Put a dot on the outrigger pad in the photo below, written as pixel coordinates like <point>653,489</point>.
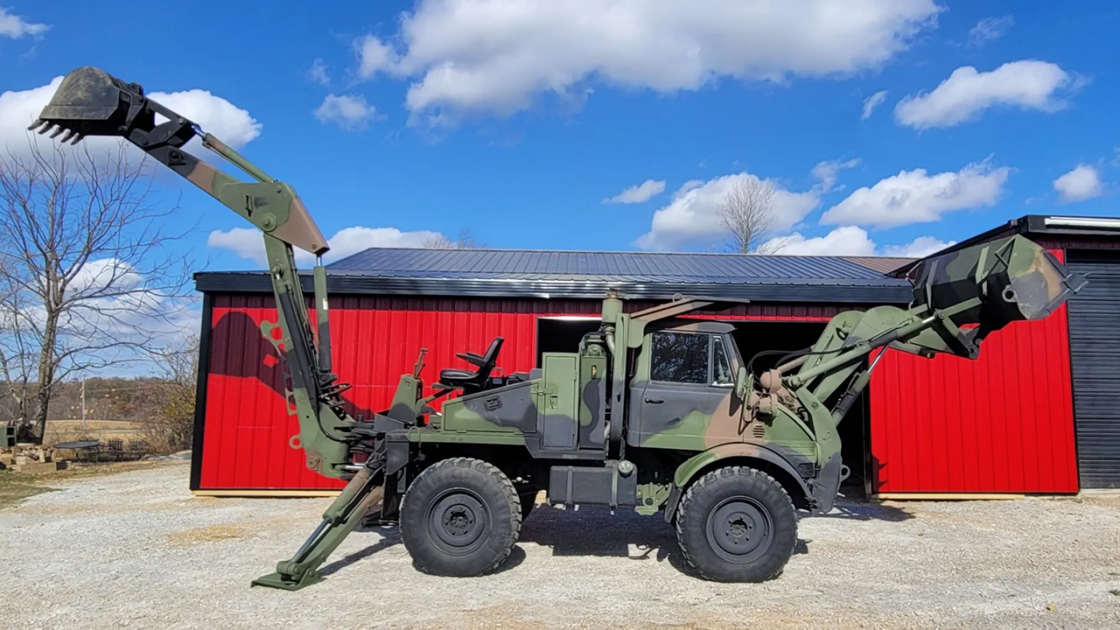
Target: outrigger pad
<point>277,580</point>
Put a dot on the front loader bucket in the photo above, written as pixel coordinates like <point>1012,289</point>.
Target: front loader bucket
<point>88,102</point>
<point>1014,278</point>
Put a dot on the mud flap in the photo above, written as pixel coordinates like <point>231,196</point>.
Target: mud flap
<point>827,484</point>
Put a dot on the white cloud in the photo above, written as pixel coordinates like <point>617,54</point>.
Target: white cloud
<point>1083,182</point>
<point>967,93</point>
<point>18,108</point>
<point>248,244</point>
<point>692,217</point>
<point>374,56</point>
<point>871,102</point>
<point>495,56</point>
<point>349,112</point>
<point>918,248</point>
<point>105,273</point>
<point>918,197</point>
<point>989,29</point>
<point>13,26</point>
<point>638,193</point>
<point>850,240</point>
<point>214,114</point>
<point>318,73</point>
<point>827,172</point>
<point>843,241</point>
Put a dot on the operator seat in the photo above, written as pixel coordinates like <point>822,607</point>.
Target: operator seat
<point>479,379</point>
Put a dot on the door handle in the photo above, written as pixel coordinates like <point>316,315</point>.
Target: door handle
<point>650,401</point>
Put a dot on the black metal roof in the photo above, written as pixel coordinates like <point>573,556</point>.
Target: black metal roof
<point>581,274</point>
<point>1076,227</point>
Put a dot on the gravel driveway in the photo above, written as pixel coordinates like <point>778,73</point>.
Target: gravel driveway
<point>136,550</point>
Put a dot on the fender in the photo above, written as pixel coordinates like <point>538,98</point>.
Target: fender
<point>686,471</point>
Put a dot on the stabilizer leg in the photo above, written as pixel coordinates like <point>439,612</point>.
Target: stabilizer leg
<point>363,492</point>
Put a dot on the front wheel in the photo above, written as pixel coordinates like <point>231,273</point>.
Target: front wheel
<point>460,518</point>
<point>737,524</point>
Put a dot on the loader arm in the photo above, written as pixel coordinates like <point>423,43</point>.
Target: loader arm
<point>959,299</point>
<point>90,102</point>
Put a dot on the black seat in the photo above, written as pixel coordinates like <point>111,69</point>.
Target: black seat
<point>479,379</point>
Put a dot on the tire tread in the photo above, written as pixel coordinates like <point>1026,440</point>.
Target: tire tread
<point>507,490</point>
<point>684,514</point>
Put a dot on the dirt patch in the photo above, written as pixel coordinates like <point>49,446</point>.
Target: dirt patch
<point>209,533</point>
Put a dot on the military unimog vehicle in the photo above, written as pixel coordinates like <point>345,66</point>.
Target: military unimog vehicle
<point>655,411</point>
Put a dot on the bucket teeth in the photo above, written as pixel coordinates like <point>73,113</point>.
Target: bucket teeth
<point>43,126</point>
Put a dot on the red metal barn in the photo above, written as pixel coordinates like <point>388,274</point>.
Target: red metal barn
<point>1005,423</point>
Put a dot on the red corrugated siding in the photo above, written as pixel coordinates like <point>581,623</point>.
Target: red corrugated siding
<point>246,430</point>
<point>1002,423</point>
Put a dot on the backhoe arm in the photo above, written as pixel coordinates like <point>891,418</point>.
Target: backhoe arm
<point>90,102</point>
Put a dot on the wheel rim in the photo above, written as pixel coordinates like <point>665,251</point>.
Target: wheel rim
<point>457,520</point>
<point>740,530</point>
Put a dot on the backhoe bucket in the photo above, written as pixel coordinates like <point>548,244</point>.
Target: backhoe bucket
<point>88,102</point>
<point>1014,278</point>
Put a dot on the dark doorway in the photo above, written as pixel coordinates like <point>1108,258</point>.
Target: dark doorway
<point>755,337</point>
<point>563,334</point>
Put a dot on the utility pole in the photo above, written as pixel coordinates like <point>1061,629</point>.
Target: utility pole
<point>85,429</point>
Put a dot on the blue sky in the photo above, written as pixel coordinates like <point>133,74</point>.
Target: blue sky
<point>517,120</point>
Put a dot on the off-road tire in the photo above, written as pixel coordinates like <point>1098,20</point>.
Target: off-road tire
<point>461,517</point>
<point>736,524</point>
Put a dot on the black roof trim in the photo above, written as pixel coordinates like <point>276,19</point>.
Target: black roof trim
<point>1042,224</point>
<point>889,291</point>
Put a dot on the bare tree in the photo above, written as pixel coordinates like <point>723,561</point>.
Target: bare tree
<point>746,212</point>
<point>85,280</point>
<point>172,427</point>
<point>465,241</point>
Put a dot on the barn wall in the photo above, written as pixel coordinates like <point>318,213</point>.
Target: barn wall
<point>245,429</point>
<point>1002,423</point>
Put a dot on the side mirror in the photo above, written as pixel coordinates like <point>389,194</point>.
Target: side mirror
<point>742,383</point>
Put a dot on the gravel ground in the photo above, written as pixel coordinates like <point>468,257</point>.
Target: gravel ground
<point>135,550</point>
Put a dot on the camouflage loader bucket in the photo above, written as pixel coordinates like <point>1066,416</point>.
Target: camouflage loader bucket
<point>1014,278</point>
<point>88,102</point>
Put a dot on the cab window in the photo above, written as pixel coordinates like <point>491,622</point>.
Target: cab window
<point>721,367</point>
<point>679,357</point>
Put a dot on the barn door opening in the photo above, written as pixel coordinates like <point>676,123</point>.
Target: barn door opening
<point>755,337</point>
<point>563,334</point>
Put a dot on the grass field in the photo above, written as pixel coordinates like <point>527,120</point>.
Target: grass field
<point>67,430</point>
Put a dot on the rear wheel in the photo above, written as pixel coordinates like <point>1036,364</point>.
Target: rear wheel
<point>737,524</point>
<point>460,517</point>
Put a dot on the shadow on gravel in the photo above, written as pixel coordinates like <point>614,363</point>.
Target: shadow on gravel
<point>865,511</point>
<point>390,536</point>
<point>593,531</point>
